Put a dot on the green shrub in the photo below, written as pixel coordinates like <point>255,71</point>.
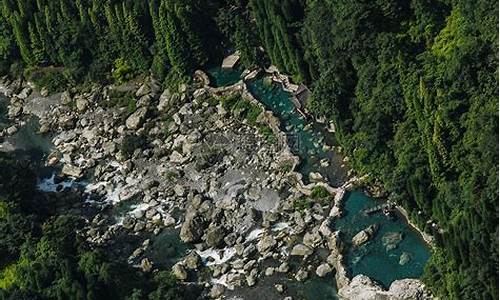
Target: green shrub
<point>122,71</point>
<point>241,107</point>
<point>268,134</point>
<point>120,99</point>
<point>301,204</point>
<point>174,79</point>
<point>319,192</point>
<point>8,276</point>
<point>171,175</point>
<point>51,78</point>
<point>229,102</point>
<point>321,195</point>
<point>286,167</point>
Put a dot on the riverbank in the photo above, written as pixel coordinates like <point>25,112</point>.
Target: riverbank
<point>338,210</point>
<point>285,81</point>
<point>201,169</point>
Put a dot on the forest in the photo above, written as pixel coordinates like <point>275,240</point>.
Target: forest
<point>411,87</point>
<point>44,257</point>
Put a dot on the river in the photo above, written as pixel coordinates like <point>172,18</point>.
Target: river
<point>396,251</point>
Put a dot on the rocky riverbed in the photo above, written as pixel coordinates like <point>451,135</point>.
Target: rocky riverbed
<point>178,161</point>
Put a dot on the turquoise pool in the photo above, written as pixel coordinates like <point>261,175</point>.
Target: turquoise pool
<point>305,137</point>
<point>381,257</point>
<point>223,77</point>
<point>395,252</point>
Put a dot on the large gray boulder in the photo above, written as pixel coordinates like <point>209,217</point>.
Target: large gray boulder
<point>391,240</point>
<point>164,101</point>
<point>137,118</point>
<point>323,270</point>
<point>266,243</point>
<point>362,287</point>
<point>217,291</point>
<point>192,229</point>
<point>81,103</point>
<point>72,171</point>
<point>301,250</point>
<point>179,271</point>
<point>214,236</point>
<point>364,235</point>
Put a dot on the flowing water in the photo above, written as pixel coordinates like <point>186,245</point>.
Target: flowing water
<point>396,251</point>
<point>307,139</point>
<point>166,248</point>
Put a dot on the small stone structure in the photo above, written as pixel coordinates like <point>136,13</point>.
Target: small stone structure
<point>230,61</point>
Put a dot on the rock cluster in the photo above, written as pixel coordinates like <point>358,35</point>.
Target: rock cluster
<point>187,164</point>
<point>363,288</point>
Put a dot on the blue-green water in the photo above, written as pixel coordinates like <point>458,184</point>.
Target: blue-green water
<point>167,248</point>
<point>315,288</point>
<point>370,259</point>
<point>28,138</point>
<point>223,77</point>
<point>375,258</point>
<point>379,258</point>
<point>305,137</point>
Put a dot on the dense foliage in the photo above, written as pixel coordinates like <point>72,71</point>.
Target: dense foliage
<point>411,87</point>
<point>42,256</point>
<point>412,90</point>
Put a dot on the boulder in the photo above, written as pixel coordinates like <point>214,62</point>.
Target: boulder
<point>283,267</point>
<point>146,265</point>
<point>81,104</point>
<point>312,239</point>
<point>391,240</point>
<point>139,226</point>
<point>404,258</point>
<point>137,118</point>
<point>316,177</point>
<point>266,243</point>
<point>128,222</point>
<point>24,93</point>
<point>179,190</point>
<point>323,270</point>
<point>364,235</point>
<point>65,97</point>
<point>269,271</point>
<point>217,291</point>
<point>14,111</point>
<point>11,130</point>
<point>179,271</point>
<point>362,287</point>
<point>144,89</point>
<point>406,289</point>
<point>301,250</point>
<point>192,229</point>
<point>168,220</point>
<point>301,275</point>
<point>192,261</point>
<point>164,101</point>
<point>214,236</point>
<point>44,92</point>
<point>72,171</point>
